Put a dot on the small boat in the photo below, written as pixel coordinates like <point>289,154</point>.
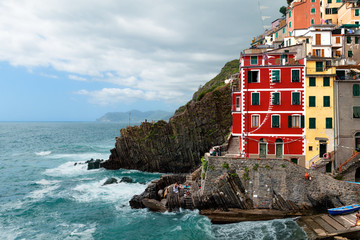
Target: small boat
<point>344,210</point>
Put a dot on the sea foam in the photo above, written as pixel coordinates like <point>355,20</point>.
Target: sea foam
<point>67,169</point>
<point>44,153</point>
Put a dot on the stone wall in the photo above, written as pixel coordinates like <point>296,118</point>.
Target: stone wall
<point>265,181</point>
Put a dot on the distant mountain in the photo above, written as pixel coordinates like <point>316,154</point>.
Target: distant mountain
<point>135,116</point>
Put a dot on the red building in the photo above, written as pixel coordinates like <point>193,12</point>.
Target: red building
<point>268,107</point>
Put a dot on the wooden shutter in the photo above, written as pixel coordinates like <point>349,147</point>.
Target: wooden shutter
<point>318,39</point>
<point>337,39</point>
<point>312,123</point>
<point>328,122</point>
<point>322,52</point>
<point>314,52</point>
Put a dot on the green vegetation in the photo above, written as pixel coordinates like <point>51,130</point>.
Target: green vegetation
<point>211,167</point>
<point>282,10</point>
<point>283,165</point>
<point>247,169</point>
<point>256,166</point>
<point>339,176</point>
<point>225,165</point>
<point>267,167</point>
<point>246,176</point>
<point>233,175</point>
<point>204,165</point>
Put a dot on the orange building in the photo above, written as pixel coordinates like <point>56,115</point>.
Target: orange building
<point>301,14</point>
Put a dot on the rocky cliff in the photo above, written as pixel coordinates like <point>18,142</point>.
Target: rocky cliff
<point>177,146</point>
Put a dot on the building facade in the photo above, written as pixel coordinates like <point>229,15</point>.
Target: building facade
<point>269,109</point>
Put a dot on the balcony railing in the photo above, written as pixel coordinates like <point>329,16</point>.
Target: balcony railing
<point>347,77</point>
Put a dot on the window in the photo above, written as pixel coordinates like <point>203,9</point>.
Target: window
<point>312,21</point>
<point>296,121</point>
<point>253,76</point>
<point>328,123</point>
<point>312,81</point>
<point>284,58</point>
<point>283,30</point>
<point>326,101</point>
<point>356,112</point>
<point>329,1</point>
<point>312,123</point>
<point>356,40</point>
<point>253,60</point>
<point>338,1</point>
<point>255,98</point>
<point>356,12</point>
<point>275,121</point>
<point>289,24</point>
<point>356,90</point>
<point>255,121</point>
<point>295,98</point>
<point>334,10</point>
<point>307,40</point>
<point>295,75</point>
<point>275,98</point>
<point>312,101</point>
<point>237,103</point>
<point>312,10</point>
<point>275,76</point>
<point>326,81</point>
<point>289,14</point>
<point>348,39</point>
<point>350,53</point>
<point>338,40</point>
<point>310,148</point>
<point>277,35</point>
<point>319,66</point>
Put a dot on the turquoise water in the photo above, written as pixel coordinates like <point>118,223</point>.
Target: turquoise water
<point>44,196</point>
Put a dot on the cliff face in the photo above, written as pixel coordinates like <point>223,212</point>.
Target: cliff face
<point>177,146</point>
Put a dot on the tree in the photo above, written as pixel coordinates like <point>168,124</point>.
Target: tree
<point>283,10</point>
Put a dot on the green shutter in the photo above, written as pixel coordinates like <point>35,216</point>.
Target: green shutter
<point>348,39</point>
<point>312,123</point>
<point>356,40</point>
<point>356,12</point>
<point>326,101</point>
<point>303,121</point>
<point>312,101</point>
<point>329,1</point>
<point>249,77</point>
<point>295,98</point>
<point>356,112</point>
<point>276,98</point>
<point>290,121</point>
<point>295,75</point>
<point>255,99</point>
<point>328,122</point>
<point>312,81</point>
<point>356,90</point>
<point>326,81</point>
<point>275,119</point>
<point>350,53</point>
<point>254,60</point>
<point>319,66</point>
<point>275,75</point>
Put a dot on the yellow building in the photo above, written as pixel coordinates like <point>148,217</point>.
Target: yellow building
<point>319,102</point>
<point>329,11</point>
<point>349,13</point>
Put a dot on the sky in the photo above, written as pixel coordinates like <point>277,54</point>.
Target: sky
<point>75,60</point>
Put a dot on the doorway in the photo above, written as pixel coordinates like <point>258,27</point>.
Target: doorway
<point>357,175</point>
<point>279,148</point>
<point>262,148</point>
<point>322,148</point>
<point>357,141</point>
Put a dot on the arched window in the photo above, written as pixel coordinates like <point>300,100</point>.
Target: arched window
<point>279,148</point>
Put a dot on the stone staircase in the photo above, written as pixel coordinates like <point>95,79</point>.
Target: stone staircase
<point>234,146</point>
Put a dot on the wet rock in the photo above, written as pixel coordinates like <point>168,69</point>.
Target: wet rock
<point>110,181</point>
<point>126,179</point>
<point>154,205</point>
<point>94,164</point>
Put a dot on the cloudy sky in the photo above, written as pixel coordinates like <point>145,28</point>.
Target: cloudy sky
<point>75,60</point>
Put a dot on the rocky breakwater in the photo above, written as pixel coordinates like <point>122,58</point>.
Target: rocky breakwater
<point>234,190</point>
<point>175,146</point>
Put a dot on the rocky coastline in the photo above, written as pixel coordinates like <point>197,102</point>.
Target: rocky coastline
<point>235,189</point>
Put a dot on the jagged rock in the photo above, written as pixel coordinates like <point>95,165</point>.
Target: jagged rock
<point>154,205</point>
<point>110,181</point>
<point>94,164</point>
<point>126,179</point>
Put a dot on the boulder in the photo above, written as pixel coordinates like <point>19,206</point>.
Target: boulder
<point>154,205</point>
<point>126,179</point>
<point>94,164</point>
<point>110,181</point>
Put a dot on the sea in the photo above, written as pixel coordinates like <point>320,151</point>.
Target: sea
<point>46,191</point>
